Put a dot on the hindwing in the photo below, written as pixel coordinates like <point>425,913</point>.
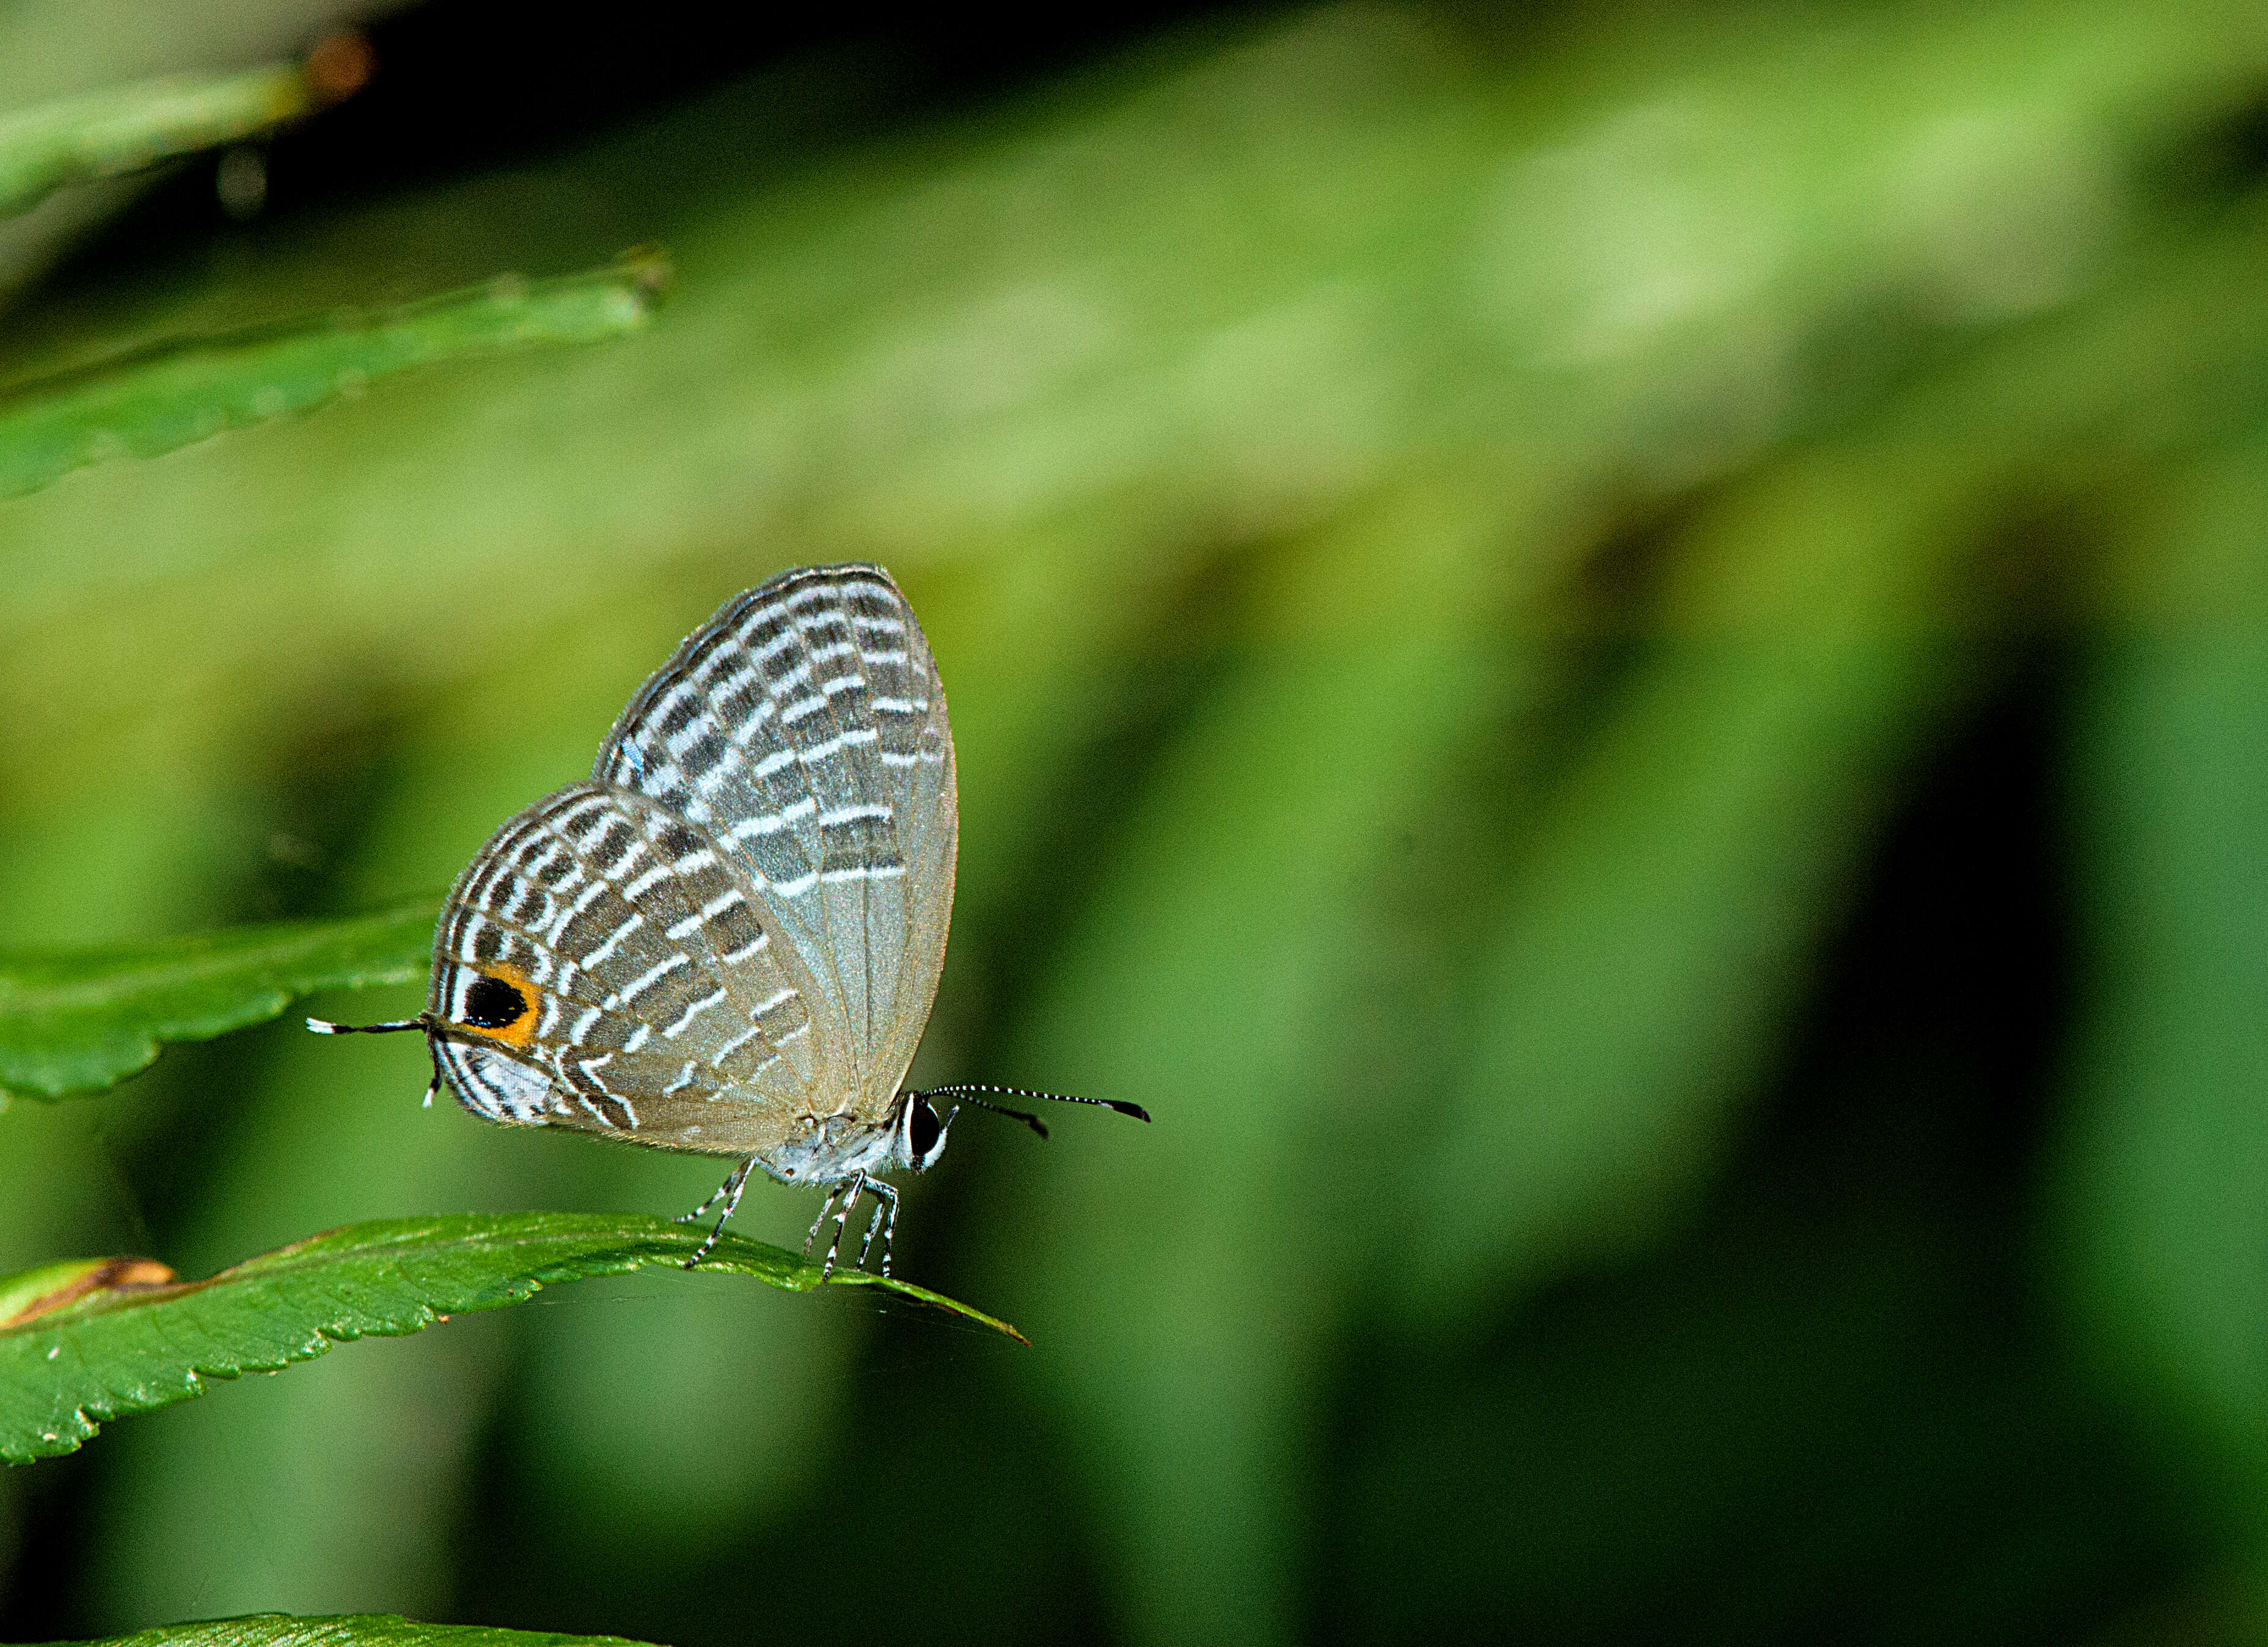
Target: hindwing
<point>603,965</point>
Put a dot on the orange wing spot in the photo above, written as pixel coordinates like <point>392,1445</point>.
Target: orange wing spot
<point>499,1022</point>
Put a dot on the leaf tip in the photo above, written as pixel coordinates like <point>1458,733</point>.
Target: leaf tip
<point>651,273</point>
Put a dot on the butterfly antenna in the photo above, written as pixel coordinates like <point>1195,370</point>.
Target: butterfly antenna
<point>967,1094</point>
<point>324,1026</point>
<point>423,1020</point>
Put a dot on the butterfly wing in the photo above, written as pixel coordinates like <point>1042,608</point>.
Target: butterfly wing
<point>602,965</point>
<point>804,728</point>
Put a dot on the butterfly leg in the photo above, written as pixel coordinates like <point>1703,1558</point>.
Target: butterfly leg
<point>730,1190</point>
<point>825,1207</point>
<point>715,1196</point>
<point>857,1186</point>
<point>886,1201</point>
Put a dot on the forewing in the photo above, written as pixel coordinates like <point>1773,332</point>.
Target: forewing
<point>803,727</point>
<point>659,1004</point>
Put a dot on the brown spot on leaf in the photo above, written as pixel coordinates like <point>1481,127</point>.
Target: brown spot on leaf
<point>105,1275</point>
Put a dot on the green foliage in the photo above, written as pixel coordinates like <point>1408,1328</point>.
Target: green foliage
<point>190,391</point>
<point>76,1022</point>
<point>43,148</point>
<point>358,1630</point>
<point>101,1339</point>
<point>2159,1192</point>
<point>1475,561</point>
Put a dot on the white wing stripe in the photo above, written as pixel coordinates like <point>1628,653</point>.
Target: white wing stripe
<point>854,738</point>
<point>591,895</point>
<point>733,1046</point>
<point>613,941</point>
<point>694,1009</point>
<point>646,980</point>
<point>771,823</point>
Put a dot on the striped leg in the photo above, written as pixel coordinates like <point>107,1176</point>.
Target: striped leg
<point>886,1201</point>
<point>825,1207</point>
<point>730,1190</point>
<point>715,1196</point>
<point>856,1187</point>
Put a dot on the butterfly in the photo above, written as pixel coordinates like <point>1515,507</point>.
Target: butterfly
<point>727,941</point>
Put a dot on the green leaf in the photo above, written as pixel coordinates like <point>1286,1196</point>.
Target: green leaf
<point>344,1629</point>
<point>76,1023</point>
<point>1225,968</point>
<point>132,1346</point>
<point>2165,1138</point>
<point>180,393</point>
<point>125,128</point>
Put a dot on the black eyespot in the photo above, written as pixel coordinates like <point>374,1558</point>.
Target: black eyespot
<point>491,1003</point>
<point>921,1129</point>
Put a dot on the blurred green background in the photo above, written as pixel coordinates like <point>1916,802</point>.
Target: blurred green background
<point>1615,655</point>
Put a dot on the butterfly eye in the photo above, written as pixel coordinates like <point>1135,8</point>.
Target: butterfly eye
<point>492,1004</point>
<point>923,1131</point>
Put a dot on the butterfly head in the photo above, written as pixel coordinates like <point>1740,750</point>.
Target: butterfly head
<point>920,1133</point>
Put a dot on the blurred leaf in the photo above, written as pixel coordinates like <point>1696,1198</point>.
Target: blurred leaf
<point>77,1022</point>
<point>1175,316</point>
<point>107,133</point>
<point>1825,620</point>
<point>177,393</point>
<point>355,1629</point>
<point>133,1346</point>
<point>1646,960</point>
<point>2167,1144</point>
<point>919,352</point>
<point>1214,976</point>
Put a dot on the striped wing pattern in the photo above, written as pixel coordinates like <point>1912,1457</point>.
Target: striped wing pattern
<point>737,925</point>
<point>654,987</point>
<point>804,728</point>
